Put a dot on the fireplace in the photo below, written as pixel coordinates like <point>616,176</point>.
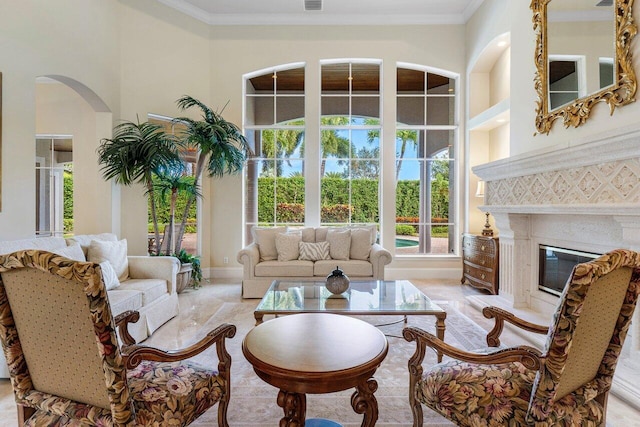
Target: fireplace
<point>555,266</point>
<point>584,196</point>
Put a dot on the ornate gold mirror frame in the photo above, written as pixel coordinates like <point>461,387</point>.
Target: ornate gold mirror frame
<point>622,91</point>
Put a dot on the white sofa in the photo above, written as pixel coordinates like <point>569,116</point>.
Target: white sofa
<point>264,261</point>
<point>150,287</point>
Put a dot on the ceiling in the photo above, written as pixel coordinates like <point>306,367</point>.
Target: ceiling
<point>336,12</point>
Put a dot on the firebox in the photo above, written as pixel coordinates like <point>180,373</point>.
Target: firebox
<point>555,266</point>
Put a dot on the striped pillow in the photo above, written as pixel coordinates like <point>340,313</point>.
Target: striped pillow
<point>314,251</point>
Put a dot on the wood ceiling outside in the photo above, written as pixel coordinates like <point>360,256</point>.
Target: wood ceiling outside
<point>366,78</point>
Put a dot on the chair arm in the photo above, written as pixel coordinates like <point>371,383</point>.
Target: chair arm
<point>135,354</point>
<point>122,321</point>
<point>493,337</point>
<point>530,357</point>
<point>249,256</point>
<point>379,257</point>
<point>155,267</point>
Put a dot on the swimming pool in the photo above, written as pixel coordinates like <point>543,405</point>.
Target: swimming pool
<point>405,243</point>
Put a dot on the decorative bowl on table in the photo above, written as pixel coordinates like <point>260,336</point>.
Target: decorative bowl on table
<point>337,282</point>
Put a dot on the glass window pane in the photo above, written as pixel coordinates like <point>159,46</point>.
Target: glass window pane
<point>408,170</point>
<point>366,78</point>
<point>410,81</point>
<point>365,144</point>
<point>335,143</point>
<point>261,84</point>
<point>411,110</point>
<point>365,169</point>
<point>335,169</point>
<point>290,144</point>
<point>267,144</point>
<point>406,144</point>
<point>290,81</point>
<point>441,110</point>
<point>368,106</point>
<point>335,106</point>
<point>438,141</point>
<point>364,192</point>
<point>335,78</point>
<point>262,113</point>
<point>440,85</point>
<point>289,108</point>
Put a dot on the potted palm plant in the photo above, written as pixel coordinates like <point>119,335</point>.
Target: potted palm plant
<point>135,154</point>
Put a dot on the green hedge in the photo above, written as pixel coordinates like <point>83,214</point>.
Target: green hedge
<point>334,200</point>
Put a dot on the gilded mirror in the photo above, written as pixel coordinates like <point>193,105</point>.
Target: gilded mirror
<point>583,56</point>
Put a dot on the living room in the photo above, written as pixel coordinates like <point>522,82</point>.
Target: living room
<point>80,68</point>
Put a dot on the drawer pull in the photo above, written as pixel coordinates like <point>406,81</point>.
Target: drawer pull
<point>482,276</point>
<point>483,262</point>
<point>483,247</point>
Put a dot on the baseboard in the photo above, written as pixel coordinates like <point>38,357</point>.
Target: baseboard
<point>421,273</point>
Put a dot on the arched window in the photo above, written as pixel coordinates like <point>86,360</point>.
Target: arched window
<point>274,126</point>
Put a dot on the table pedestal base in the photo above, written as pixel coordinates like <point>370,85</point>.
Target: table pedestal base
<point>294,406</point>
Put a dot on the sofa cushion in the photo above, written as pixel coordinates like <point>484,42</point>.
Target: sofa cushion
<point>284,269</point>
<point>114,252</point>
<point>339,243</point>
<point>84,240</point>
<point>42,243</point>
<point>308,234</point>
<point>109,276</point>
<point>122,300</point>
<point>151,289</point>
<point>73,252</point>
<point>353,268</point>
<point>360,244</point>
<point>265,238</point>
<point>314,251</point>
<point>287,245</point>
<point>321,232</point>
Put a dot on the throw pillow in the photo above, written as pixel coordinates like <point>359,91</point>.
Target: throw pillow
<point>287,246</point>
<point>109,276</point>
<point>73,252</point>
<point>265,238</point>
<point>339,243</point>
<point>360,244</point>
<point>114,252</point>
<point>314,251</point>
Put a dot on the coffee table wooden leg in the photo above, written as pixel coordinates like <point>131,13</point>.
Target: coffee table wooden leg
<point>364,402</point>
<point>440,330</point>
<point>259,317</point>
<point>295,408</point>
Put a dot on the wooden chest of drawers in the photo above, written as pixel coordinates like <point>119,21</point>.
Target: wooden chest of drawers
<point>480,261</point>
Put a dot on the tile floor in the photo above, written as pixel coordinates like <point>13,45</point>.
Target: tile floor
<point>197,306</point>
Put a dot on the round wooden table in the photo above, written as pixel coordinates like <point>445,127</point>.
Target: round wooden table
<point>317,353</point>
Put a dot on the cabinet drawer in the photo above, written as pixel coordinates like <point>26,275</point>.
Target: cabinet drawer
<point>480,262</point>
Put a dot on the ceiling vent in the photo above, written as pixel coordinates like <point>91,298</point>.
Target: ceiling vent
<point>605,3</point>
<point>312,4</point>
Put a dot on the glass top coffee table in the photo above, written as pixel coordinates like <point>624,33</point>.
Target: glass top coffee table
<point>364,298</point>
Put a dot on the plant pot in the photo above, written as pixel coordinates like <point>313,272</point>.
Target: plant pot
<point>184,277</point>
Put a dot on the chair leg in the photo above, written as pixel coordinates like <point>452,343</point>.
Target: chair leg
<point>603,399</point>
<point>24,413</point>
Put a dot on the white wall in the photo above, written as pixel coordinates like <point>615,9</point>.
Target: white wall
<point>77,39</point>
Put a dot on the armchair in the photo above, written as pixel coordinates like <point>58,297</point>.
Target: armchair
<point>65,363</point>
<point>565,384</point>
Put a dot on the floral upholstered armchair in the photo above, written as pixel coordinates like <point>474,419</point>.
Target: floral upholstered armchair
<point>566,384</point>
<point>65,362</point>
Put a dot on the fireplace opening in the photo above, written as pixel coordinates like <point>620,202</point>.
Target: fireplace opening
<point>555,267</point>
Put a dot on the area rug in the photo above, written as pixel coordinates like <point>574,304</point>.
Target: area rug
<point>253,402</point>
